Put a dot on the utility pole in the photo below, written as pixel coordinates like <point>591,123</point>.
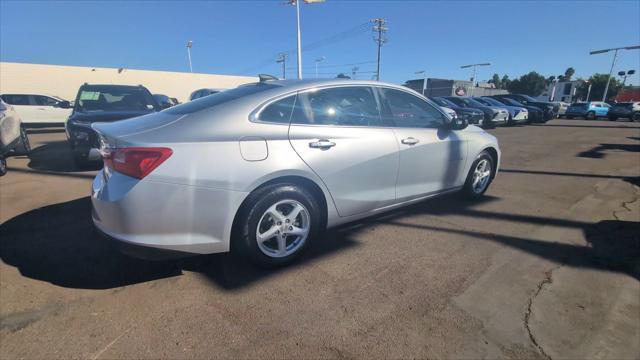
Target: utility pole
<point>380,29</point>
<point>189,46</point>
<point>615,55</point>
<point>282,59</point>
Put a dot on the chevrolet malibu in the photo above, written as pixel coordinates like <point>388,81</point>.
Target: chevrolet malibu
<point>264,168</point>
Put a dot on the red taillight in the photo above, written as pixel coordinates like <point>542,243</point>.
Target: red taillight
<point>136,162</point>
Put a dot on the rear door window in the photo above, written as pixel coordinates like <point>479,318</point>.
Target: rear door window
<point>44,100</point>
<point>342,106</point>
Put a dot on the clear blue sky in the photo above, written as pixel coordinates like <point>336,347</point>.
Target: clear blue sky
<point>237,37</point>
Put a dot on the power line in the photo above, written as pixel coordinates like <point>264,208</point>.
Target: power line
<point>341,36</point>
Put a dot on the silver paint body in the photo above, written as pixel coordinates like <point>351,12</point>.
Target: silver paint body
<point>221,154</point>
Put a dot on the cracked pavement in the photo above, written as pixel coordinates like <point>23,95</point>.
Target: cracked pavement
<point>545,267</point>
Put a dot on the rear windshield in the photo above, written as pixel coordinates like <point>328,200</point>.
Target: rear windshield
<point>114,98</point>
<point>219,98</point>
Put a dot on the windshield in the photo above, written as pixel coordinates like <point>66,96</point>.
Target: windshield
<point>482,101</point>
<point>492,102</point>
<point>219,98</point>
<point>443,102</point>
<point>472,102</point>
<point>528,98</point>
<point>114,98</point>
<point>510,102</point>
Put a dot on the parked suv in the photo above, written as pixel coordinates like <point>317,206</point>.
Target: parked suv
<point>492,115</point>
<point>549,110</point>
<point>39,110</point>
<point>629,110</point>
<point>473,116</point>
<point>590,110</point>
<point>103,103</point>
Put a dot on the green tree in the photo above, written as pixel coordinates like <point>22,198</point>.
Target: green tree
<point>505,81</point>
<point>532,84</point>
<point>550,79</point>
<point>568,74</point>
<point>495,80</point>
<point>598,83</point>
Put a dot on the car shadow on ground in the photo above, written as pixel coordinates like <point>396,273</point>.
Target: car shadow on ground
<point>56,156</point>
<point>59,244</point>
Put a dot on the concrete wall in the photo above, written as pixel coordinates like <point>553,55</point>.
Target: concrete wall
<point>64,81</point>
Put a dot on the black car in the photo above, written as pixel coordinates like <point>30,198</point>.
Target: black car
<point>103,103</point>
<point>629,110</point>
<point>490,114</point>
<point>473,116</point>
<point>549,110</point>
<point>535,114</point>
<point>164,101</point>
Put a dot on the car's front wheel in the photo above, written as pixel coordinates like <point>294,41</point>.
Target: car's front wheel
<point>591,115</point>
<point>635,116</point>
<point>277,223</point>
<point>480,176</point>
<point>24,147</point>
<point>3,166</point>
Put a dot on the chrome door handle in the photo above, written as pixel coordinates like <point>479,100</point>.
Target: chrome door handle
<point>410,141</point>
<point>322,144</point>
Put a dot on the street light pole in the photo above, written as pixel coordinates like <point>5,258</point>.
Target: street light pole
<point>297,4</point>
<point>320,59</point>
<point>473,79</point>
<point>189,45</point>
<point>615,55</point>
<point>424,79</point>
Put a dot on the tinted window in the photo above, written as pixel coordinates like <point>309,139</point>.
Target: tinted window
<point>346,106</point>
<point>13,99</point>
<point>114,98</point>
<point>44,100</point>
<point>279,111</point>
<point>219,98</point>
<point>406,110</point>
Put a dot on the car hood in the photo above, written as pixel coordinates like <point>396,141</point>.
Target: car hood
<point>105,116</point>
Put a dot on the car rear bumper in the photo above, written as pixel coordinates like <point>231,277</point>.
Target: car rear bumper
<point>163,216</point>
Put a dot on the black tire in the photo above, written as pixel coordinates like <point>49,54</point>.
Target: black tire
<point>469,190</point>
<point>635,116</point>
<point>612,118</point>
<point>591,115</point>
<point>251,213</point>
<point>24,147</point>
<point>3,166</point>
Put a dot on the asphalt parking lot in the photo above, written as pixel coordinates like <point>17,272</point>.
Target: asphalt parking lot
<point>546,266</point>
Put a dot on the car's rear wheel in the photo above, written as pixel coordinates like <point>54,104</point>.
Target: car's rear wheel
<point>24,147</point>
<point>591,115</point>
<point>277,223</point>
<point>480,176</point>
<point>635,116</point>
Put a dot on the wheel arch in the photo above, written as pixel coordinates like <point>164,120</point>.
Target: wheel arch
<point>308,184</point>
<point>494,156</point>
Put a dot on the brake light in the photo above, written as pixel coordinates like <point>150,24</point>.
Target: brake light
<point>136,162</point>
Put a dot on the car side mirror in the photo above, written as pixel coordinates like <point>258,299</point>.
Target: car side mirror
<point>63,104</point>
<point>458,123</point>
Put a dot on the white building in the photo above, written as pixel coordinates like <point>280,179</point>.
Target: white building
<point>64,81</point>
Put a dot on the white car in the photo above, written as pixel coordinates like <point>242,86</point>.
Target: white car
<point>13,138</point>
<point>562,107</point>
<point>39,110</point>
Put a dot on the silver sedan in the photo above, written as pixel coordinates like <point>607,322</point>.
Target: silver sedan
<point>263,168</point>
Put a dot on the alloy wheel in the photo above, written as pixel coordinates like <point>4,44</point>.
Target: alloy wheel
<point>283,228</point>
<point>481,176</point>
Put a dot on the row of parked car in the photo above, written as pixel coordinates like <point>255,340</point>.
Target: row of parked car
<point>594,109</point>
<point>498,110</point>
